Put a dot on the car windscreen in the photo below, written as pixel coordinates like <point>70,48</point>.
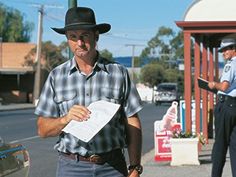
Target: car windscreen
<point>168,88</point>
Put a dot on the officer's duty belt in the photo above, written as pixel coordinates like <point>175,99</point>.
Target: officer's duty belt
<point>223,98</point>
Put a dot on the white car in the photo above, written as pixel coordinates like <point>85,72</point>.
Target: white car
<point>166,93</point>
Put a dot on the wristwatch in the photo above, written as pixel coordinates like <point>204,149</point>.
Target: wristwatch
<point>138,168</point>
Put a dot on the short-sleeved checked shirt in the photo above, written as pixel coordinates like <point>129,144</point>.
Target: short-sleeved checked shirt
<point>229,74</point>
<point>67,86</point>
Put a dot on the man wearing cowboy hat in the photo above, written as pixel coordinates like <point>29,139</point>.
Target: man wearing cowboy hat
<point>72,86</point>
<point>225,112</point>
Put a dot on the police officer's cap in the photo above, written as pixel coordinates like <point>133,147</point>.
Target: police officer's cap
<point>227,42</point>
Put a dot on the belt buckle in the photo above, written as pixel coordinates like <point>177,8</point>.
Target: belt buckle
<point>221,98</point>
<point>96,159</point>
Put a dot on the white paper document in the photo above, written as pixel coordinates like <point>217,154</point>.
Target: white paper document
<point>101,113</point>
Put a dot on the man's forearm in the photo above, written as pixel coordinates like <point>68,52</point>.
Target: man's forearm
<point>134,140</point>
<point>50,127</point>
<point>222,86</point>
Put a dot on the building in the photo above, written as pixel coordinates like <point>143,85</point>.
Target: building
<point>16,79</point>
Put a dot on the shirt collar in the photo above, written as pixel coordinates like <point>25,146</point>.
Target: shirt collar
<point>233,58</point>
<point>73,65</point>
<point>100,63</point>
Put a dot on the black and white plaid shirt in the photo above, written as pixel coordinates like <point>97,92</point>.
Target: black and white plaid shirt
<point>67,86</point>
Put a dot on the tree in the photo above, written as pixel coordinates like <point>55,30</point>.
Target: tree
<point>174,75</point>
<point>177,45</point>
<point>164,49</point>
<point>159,45</point>
<point>152,74</point>
<point>106,54</point>
<point>65,50</point>
<point>137,62</point>
<point>51,55</point>
<point>155,73</point>
<point>12,25</point>
<point>165,46</point>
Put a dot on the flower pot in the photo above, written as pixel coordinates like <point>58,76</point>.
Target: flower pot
<point>184,151</point>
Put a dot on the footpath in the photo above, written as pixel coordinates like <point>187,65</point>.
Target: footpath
<point>16,106</point>
<point>153,168</point>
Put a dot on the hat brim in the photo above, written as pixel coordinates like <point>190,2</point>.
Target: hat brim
<point>102,28</point>
<point>222,48</point>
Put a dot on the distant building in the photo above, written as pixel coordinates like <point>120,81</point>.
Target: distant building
<point>13,55</point>
<point>16,79</point>
<point>126,61</point>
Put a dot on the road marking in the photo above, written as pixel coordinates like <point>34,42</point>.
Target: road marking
<point>24,139</point>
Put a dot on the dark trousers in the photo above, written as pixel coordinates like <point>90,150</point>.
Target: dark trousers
<point>225,136</point>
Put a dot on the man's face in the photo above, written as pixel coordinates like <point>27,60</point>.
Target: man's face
<point>82,42</point>
<point>228,53</point>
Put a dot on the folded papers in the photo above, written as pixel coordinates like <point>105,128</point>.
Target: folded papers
<point>101,113</point>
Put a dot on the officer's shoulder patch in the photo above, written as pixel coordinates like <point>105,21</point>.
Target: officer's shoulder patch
<point>227,68</point>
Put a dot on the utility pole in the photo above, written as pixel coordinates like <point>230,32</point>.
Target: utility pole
<point>132,61</point>
<point>72,3</point>
<point>38,56</point>
<point>169,55</point>
<point>1,52</point>
<point>37,78</point>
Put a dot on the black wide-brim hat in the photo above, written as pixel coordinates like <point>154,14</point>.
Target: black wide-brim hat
<point>82,18</point>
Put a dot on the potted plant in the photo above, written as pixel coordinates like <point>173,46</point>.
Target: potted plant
<point>184,148</point>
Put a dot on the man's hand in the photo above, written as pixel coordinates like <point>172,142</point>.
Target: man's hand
<point>133,173</point>
<point>222,86</point>
<point>78,113</point>
<point>212,85</point>
<point>49,127</point>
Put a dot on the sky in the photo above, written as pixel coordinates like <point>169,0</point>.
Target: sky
<point>133,22</point>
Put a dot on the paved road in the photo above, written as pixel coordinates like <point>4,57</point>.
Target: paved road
<point>19,126</point>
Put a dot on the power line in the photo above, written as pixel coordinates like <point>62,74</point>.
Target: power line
<point>33,3</point>
<point>56,18</point>
<point>123,37</point>
<point>20,2</point>
<point>38,5</point>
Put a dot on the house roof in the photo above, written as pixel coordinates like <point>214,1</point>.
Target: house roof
<point>14,71</point>
<point>212,19</point>
<point>211,10</point>
<point>13,54</point>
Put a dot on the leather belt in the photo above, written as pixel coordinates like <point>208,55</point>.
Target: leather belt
<point>223,98</point>
<point>95,158</point>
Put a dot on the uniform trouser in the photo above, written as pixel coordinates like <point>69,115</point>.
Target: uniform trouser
<point>67,167</point>
<point>225,136</point>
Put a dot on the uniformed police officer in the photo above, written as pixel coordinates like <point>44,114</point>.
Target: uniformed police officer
<point>225,111</point>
